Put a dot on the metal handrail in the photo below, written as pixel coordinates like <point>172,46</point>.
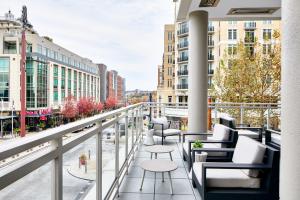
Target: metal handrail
<point>57,148</point>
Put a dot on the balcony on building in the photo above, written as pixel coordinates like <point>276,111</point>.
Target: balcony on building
<point>182,59</point>
<point>182,72</point>
<point>211,29</point>
<point>250,25</point>
<point>182,86</point>
<point>211,43</point>
<point>183,31</point>
<point>211,57</point>
<point>183,45</point>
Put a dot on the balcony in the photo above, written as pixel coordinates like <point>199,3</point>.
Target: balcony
<point>117,163</point>
<point>250,25</point>
<point>182,72</point>
<point>210,71</point>
<point>183,45</point>
<point>183,31</point>
<point>211,43</point>
<point>211,57</point>
<point>211,29</point>
<point>182,86</point>
<point>183,59</point>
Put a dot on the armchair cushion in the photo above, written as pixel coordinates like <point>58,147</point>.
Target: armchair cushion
<point>249,151</point>
<point>225,178</point>
<point>220,132</point>
<point>167,132</point>
<point>158,121</point>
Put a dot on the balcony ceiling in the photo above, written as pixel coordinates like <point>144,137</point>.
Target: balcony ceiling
<point>223,9</point>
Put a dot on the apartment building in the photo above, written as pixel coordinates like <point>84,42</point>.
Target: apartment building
<point>115,86</point>
<point>223,37</point>
<point>103,81</point>
<point>166,72</point>
<point>52,72</point>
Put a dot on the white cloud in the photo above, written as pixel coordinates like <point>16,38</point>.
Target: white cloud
<point>127,35</point>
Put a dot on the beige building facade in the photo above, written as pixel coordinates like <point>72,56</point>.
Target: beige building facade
<point>166,71</point>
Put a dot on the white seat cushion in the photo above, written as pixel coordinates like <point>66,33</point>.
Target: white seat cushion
<point>158,121</point>
<point>228,178</point>
<point>167,132</point>
<point>205,145</point>
<point>248,133</point>
<point>249,151</point>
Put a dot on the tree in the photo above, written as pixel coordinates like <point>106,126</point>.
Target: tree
<point>98,107</point>
<point>69,109</point>
<point>110,103</point>
<point>85,106</point>
<point>251,75</point>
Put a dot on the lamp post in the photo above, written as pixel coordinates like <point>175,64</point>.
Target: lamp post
<point>22,69</point>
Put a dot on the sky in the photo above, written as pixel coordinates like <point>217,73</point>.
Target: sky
<point>126,35</point>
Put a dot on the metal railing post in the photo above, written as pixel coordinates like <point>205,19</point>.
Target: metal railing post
<point>117,137</point>
<point>268,116</point>
<point>216,114</point>
<point>126,141</point>
<point>242,113</point>
<point>132,134</point>
<point>141,124</point>
<point>57,171</point>
<point>99,162</point>
<point>137,125</point>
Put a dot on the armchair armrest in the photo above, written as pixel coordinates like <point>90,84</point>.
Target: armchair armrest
<point>215,165</point>
<point>249,128</point>
<point>199,150</point>
<point>201,134</point>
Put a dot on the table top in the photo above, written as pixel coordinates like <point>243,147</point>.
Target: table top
<point>159,165</point>
<point>159,149</point>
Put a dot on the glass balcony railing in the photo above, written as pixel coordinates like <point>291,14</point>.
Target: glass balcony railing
<point>9,51</point>
<point>211,71</point>
<point>182,31</point>
<point>183,45</point>
<point>250,25</point>
<point>211,57</point>
<point>182,86</point>
<point>182,73</point>
<point>182,59</point>
<point>211,29</point>
<point>211,43</point>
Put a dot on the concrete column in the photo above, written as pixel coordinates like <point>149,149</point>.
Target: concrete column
<point>198,86</point>
<point>290,149</point>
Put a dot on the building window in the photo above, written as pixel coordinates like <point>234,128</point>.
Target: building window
<point>232,49</point>
<point>63,83</point>
<point>75,84</point>
<point>84,85</point>
<point>4,79</point>
<point>170,48</point>
<point>267,48</point>
<point>88,85</point>
<point>10,47</point>
<point>28,48</point>
<point>232,34</point>
<point>250,49</point>
<point>69,82</point>
<point>170,36</point>
<point>267,22</point>
<point>55,83</point>
<point>79,86</point>
<point>169,99</point>
<point>249,36</point>
<point>42,84</point>
<point>170,59</point>
<point>267,34</point>
<point>232,22</point>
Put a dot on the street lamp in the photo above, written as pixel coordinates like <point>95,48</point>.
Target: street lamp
<point>25,25</point>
